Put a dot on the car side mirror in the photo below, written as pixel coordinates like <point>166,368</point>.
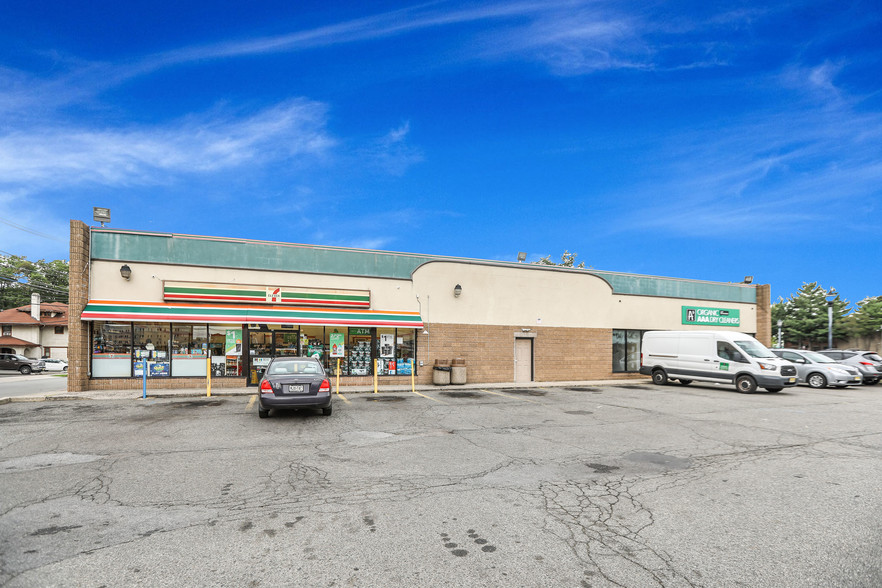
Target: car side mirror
<point>800,360</point>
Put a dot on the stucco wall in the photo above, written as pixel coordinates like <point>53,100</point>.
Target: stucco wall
<point>535,297</point>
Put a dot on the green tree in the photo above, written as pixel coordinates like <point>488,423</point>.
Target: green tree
<point>805,318</point>
<point>19,277</point>
<point>866,320</point>
<point>566,260</point>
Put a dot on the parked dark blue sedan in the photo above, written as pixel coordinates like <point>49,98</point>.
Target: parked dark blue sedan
<point>292,383</point>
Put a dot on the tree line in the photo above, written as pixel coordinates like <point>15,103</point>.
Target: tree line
<point>19,277</point>
<point>805,319</point>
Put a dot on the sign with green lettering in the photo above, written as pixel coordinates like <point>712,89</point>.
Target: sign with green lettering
<point>717,317</point>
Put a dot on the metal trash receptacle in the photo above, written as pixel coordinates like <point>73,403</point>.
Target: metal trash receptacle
<point>441,372</point>
<point>458,371</point>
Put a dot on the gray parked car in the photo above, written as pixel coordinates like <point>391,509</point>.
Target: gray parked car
<point>819,371</point>
<point>25,365</point>
<point>294,382</point>
<point>868,362</point>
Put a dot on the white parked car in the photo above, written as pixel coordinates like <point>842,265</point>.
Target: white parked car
<point>54,365</point>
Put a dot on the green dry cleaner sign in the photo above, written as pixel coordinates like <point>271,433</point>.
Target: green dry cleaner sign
<point>720,317</point>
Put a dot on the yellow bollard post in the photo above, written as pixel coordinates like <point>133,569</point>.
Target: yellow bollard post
<point>338,376</point>
<point>412,384</point>
<point>208,373</point>
<point>375,376</point>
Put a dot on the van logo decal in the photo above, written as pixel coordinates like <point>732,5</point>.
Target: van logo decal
<point>724,366</point>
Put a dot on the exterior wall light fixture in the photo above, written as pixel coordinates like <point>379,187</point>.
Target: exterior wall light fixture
<point>457,290</point>
<point>125,271</point>
<point>748,279</point>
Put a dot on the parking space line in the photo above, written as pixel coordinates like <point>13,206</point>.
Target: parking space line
<point>510,397</point>
<point>346,400</point>
<point>251,401</point>
<point>429,397</point>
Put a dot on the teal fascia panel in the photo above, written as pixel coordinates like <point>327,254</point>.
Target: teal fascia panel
<point>167,248</point>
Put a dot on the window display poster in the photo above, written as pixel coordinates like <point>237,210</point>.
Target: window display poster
<point>159,369</point>
<point>387,349</point>
<point>234,342</point>
<point>337,348</point>
<point>139,368</point>
<point>404,367</point>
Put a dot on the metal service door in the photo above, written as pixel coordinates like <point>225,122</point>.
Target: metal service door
<point>523,360</point>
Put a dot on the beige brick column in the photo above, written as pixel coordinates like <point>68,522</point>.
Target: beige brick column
<point>78,331</point>
<point>764,314</point>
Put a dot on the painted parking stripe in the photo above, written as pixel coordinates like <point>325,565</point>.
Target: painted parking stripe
<point>510,397</point>
<point>346,400</point>
<point>251,401</point>
<point>429,397</point>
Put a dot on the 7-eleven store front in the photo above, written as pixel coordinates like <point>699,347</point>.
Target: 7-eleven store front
<point>178,339</point>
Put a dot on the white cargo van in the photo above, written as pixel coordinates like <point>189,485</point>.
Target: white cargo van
<point>722,357</point>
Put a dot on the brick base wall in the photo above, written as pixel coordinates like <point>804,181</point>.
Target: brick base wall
<point>559,354</point>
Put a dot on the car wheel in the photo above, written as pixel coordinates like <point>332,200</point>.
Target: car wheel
<point>774,389</point>
<point>659,377</point>
<point>685,382</point>
<point>327,410</point>
<point>745,384</point>
<point>262,412</point>
<point>25,370</point>
<point>816,380</point>
<point>64,369</point>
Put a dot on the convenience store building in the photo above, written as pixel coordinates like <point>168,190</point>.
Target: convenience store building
<point>181,305</point>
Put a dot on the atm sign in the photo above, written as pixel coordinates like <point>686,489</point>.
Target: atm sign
<point>721,317</point>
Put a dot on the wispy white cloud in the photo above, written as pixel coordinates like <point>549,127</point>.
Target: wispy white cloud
<point>391,153</point>
<point>788,172</point>
<point>44,156</point>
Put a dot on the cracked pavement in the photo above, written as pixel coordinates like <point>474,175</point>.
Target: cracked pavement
<point>603,486</point>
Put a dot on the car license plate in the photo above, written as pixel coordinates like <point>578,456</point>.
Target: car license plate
<point>792,380</point>
<point>295,388</point>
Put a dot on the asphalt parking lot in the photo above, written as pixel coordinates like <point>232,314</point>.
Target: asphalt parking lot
<point>612,485</point>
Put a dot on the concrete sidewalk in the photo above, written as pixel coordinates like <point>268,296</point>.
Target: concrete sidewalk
<point>345,390</point>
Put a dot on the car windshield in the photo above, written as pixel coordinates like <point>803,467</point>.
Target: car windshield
<point>817,357</point>
<point>755,349</point>
<point>294,367</point>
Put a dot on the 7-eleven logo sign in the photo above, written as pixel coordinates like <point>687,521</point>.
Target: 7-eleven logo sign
<point>273,294</point>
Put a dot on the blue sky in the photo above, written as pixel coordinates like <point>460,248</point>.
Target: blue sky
<point>687,139</point>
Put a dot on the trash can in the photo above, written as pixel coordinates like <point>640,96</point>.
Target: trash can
<point>441,372</point>
<point>458,371</point>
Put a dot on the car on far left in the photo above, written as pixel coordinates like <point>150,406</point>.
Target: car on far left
<point>55,365</point>
<point>20,363</point>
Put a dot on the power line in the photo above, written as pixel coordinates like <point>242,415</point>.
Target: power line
<point>29,230</point>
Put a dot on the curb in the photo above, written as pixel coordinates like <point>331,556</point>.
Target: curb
<point>95,395</point>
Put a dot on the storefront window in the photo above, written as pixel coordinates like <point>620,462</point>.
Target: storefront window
<point>225,347</point>
<point>111,350</point>
<point>626,350</point>
<point>151,349</point>
<point>358,361</point>
<point>405,351</point>
<point>312,343</point>
<point>385,352</point>
<point>287,342</point>
<point>335,344</point>
<point>260,342</point>
<point>632,350</point>
<point>189,350</point>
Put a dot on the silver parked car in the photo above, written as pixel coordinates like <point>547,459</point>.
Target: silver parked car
<point>819,371</point>
<point>868,362</point>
